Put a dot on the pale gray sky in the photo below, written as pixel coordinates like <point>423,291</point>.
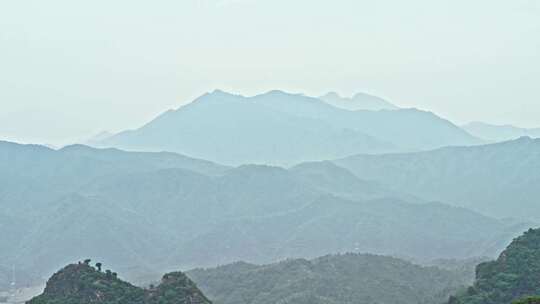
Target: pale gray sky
<point>72,68</point>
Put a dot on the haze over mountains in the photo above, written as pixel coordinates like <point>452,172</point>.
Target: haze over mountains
<point>269,152</point>
<point>285,129</point>
<point>144,211</point>
<point>499,180</point>
<point>353,175</point>
<point>499,133</point>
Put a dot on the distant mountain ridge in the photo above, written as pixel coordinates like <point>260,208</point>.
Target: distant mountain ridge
<point>285,129</point>
<point>360,101</point>
<point>148,212</point>
<point>499,180</point>
<point>499,132</point>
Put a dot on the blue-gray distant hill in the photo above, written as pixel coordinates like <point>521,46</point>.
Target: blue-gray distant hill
<point>499,133</point>
<point>152,212</point>
<point>359,101</point>
<point>281,128</point>
<point>500,180</point>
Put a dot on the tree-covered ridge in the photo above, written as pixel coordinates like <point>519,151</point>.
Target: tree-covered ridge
<point>81,284</point>
<point>333,279</point>
<point>528,300</point>
<point>513,276</point>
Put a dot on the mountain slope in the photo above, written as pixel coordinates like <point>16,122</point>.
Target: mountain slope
<point>33,175</point>
<point>147,213</point>
<point>285,129</point>
<point>499,133</point>
<point>95,226</point>
<point>359,101</point>
<point>234,130</point>
<point>349,278</point>
<point>81,283</point>
<point>332,225</point>
<point>498,180</point>
<point>514,275</point>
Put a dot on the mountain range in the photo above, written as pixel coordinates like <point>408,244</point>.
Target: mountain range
<point>152,212</point>
<point>496,133</point>
<point>298,188</point>
<point>285,129</point>
<point>499,180</point>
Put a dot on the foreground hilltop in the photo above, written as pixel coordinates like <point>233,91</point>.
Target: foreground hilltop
<point>82,283</point>
<point>514,275</point>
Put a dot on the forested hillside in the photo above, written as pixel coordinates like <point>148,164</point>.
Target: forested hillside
<point>81,283</point>
<point>514,275</point>
<point>335,279</point>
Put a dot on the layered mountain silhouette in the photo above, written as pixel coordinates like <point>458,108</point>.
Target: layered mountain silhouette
<point>499,180</point>
<point>344,279</point>
<point>514,275</point>
<point>82,283</point>
<point>360,101</point>
<point>499,132</point>
<point>282,128</point>
<point>152,212</point>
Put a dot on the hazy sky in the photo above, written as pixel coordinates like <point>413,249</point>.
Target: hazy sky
<point>71,68</point>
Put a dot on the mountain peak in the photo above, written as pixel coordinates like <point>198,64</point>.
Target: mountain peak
<point>332,98</point>
<point>279,93</point>
<point>525,138</point>
<point>359,101</point>
<point>82,283</point>
<point>331,94</point>
<point>219,92</point>
<point>284,128</point>
<point>216,96</point>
